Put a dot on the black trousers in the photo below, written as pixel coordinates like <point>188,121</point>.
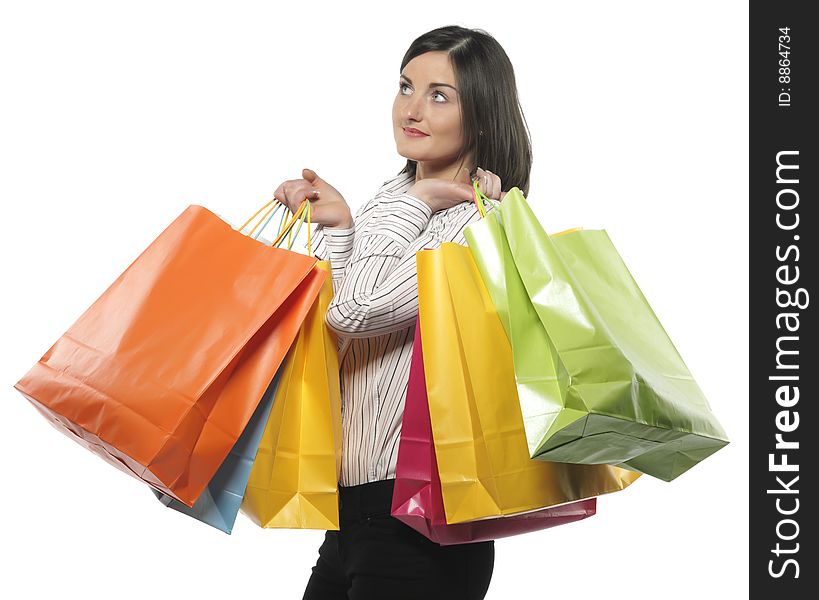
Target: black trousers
<point>374,556</point>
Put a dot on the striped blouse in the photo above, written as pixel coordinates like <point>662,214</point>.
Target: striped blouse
<point>373,312</point>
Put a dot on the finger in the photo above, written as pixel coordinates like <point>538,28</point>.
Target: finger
<point>316,212</point>
<point>463,176</point>
<point>464,192</point>
<point>483,181</point>
<point>307,192</point>
<point>485,185</point>
<point>298,204</point>
<point>285,200</point>
<point>478,177</point>
<point>311,176</point>
<point>287,194</point>
<point>498,185</point>
<point>490,184</point>
<point>494,186</point>
<point>299,190</point>
<point>280,196</point>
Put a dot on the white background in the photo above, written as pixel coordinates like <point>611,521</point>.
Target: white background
<point>116,116</point>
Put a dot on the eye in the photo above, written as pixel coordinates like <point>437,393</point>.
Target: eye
<point>402,85</point>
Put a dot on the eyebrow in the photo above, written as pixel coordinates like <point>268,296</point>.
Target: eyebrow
<point>434,84</point>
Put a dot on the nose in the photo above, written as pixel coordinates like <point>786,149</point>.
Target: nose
<point>413,108</point>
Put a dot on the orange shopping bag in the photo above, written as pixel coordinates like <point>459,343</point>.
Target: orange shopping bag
<point>161,374</point>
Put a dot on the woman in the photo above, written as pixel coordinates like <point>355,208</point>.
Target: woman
<point>456,108</point>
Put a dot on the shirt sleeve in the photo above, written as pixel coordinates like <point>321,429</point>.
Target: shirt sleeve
<point>379,291</point>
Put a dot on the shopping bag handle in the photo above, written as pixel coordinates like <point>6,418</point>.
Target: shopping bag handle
<point>479,196</point>
<point>304,211</point>
<point>495,205</point>
<point>565,231</point>
<point>269,215</point>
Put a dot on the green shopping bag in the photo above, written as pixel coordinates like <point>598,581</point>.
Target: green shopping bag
<point>599,380</point>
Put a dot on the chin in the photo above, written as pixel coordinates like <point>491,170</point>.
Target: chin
<point>402,151</point>
<point>408,156</point>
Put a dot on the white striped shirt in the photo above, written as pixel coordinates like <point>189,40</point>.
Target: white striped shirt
<point>373,313</point>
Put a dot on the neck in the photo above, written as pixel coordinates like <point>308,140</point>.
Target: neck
<point>430,170</point>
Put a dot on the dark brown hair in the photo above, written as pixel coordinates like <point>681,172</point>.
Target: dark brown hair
<point>488,102</point>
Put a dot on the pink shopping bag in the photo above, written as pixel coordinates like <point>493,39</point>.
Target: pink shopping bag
<point>417,500</point>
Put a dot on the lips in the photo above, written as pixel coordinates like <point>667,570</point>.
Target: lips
<point>414,131</point>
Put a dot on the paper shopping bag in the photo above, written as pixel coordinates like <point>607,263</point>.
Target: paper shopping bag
<point>294,479</point>
<point>480,443</point>
<point>161,374</point>
<point>219,503</point>
<point>598,377</point>
<point>417,499</point>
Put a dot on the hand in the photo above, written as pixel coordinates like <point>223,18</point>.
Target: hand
<point>440,194</point>
<point>327,205</point>
<point>490,184</point>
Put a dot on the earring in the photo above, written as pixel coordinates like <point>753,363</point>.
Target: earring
<point>480,132</point>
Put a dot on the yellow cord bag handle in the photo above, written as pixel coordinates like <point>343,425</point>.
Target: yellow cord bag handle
<point>305,210</point>
<point>284,228</point>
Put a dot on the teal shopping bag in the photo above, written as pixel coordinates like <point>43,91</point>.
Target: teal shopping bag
<point>599,380</point>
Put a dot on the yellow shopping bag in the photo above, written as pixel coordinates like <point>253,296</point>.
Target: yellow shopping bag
<point>294,479</point>
<point>477,424</point>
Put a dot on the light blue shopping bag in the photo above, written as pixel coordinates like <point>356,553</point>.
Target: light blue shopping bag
<point>220,501</point>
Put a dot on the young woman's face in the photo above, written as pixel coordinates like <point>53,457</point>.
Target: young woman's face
<point>428,101</point>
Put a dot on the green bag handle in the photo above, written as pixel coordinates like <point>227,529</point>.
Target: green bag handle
<point>480,197</point>
<point>494,204</point>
